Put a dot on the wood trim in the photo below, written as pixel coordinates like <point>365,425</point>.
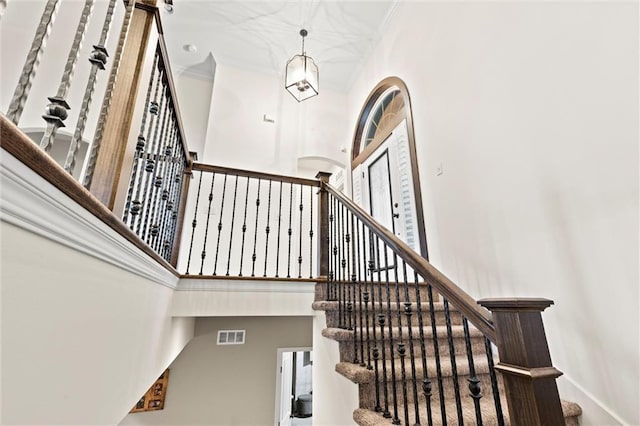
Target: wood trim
<point>258,175</point>
<point>358,157</point>
<point>108,168</point>
<point>478,316</point>
<point>22,148</point>
<point>323,225</point>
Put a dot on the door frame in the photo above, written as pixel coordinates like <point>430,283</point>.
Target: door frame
<point>358,157</point>
<point>278,398</point>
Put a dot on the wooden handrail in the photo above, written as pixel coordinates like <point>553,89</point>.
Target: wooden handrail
<point>479,317</point>
<point>16,143</point>
<point>252,174</point>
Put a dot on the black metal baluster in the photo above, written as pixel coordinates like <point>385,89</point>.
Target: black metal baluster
<point>402,350</point>
<point>366,295</point>
<point>343,272</point>
<point>158,182</point>
<point>224,191</point>
<point>290,231</point>
<point>359,277</point>
<point>152,165</point>
<point>138,152</point>
<point>475,388</point>
<point>267,230</point>
<point>396,420</point>
<point>348,280</point>
<point>203,255</point>
<point>300,237</point>
<point>426,381</point>
<point>311,232</point>
<point>233,219</point>
<point>194,223</point>
<point>381,323</point>
<point>434,331</point>
<point>333,249</point>
<point>352,299</point>
<point>173,205</point>
<point>494,382</point>
<point>279,221</point>
<point>375,351</point>
<point>168,191</point>
<point>408,311</point>
<point>152,107</point>
<point>255,235</point>
<point>244,226</point>
<point>454,367</point>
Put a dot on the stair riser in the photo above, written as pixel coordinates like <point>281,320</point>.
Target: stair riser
<point>477,348</point>
<point>367,392</point>
<point>333,318</point>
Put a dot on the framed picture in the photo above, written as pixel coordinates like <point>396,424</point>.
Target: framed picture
<point>154,398</point>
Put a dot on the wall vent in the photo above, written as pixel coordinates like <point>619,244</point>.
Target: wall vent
<point>231,337</point>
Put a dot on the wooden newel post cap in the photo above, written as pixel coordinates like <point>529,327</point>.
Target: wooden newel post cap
<point>323,176</point>
<point>515,304</point>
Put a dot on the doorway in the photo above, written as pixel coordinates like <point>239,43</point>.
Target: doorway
<point>384,172</point>
<point>294,390</point>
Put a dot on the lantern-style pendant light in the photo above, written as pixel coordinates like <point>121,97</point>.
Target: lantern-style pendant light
<point>301,76</point>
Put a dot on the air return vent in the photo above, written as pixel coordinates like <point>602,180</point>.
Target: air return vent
<point>231,337</point>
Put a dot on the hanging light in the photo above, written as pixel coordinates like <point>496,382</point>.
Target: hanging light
<point>301,76</point>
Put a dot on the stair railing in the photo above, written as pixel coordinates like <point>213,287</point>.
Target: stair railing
<point>421,336</point>
<point>250,224</point>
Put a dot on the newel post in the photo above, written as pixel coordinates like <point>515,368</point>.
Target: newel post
<point>323,225</point>
<point>112,133</point>
<point>525,362</point>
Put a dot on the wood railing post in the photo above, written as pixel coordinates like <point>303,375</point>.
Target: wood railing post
<point>186,180</point>
<point>525,362</point>
<point>108,165</point>
<point>323,225</point>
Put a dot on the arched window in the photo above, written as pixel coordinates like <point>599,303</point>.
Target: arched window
<point>384,164</point>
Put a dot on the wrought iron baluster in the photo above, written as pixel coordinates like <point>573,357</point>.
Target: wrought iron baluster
<point>408,311</point>
<point>348,283</point>
<point>381,323</point>
<point>194,223</point>
<point>279,222</point>
<point>203,255</point>
<point>352,284</point>
<point>106,101</point>
<point>160,181</point>
<point>149,228</point>
<point>267,230</point>
<point>375,351</point>
<point>25,81</point>
<point>255,234</point>
<point>138,152</point>
<point>434,332</point>
<point>290,231</point>
<point>494,382</point>
<point>168,193</point>
<point>359,278</point>
<point>300,237</point>
<point>173,205</point>
<point>454,367</point>
<point>224,190</point>
<point>244,225</point>
<point>151,164</point>
<point>475,387</point>
<point>146,146</point>
<point>310,232</point>
<point>233,220</point>
<point>98,60</point>
<point>426,381</point>
<point>343,270</point>
<point>395,420</point>
<point>56,111</point>
<point>366,295</point>
<point>332,248</point>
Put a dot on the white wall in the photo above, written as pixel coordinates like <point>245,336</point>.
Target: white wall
<point>237,136</point>
<point>232,384</point>
<point>532,110</point>
<point>194,100</point>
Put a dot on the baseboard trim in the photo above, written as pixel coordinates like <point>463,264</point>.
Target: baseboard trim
<point>243,286</point>
<point>586,395</point>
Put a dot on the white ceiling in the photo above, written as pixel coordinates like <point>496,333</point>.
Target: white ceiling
<point>263,35</point>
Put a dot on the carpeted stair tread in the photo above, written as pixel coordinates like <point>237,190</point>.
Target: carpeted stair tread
<point>457,331</point>
<point>327,305</point>
<point>364,417</point>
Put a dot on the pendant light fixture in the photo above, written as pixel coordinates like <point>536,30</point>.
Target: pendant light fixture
<point>301,76</point>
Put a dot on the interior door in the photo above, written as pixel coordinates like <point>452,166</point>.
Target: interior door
<point>286,382</point>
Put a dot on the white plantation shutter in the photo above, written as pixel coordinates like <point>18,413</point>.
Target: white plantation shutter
<point>356,179</point>
<point>407,198</point>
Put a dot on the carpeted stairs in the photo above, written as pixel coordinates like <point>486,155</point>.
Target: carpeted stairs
<point>362,371</point>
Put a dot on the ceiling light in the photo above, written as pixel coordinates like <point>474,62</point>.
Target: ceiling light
<point>301,75</point>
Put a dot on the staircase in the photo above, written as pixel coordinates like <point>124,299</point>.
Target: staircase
<point>447,354</point>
